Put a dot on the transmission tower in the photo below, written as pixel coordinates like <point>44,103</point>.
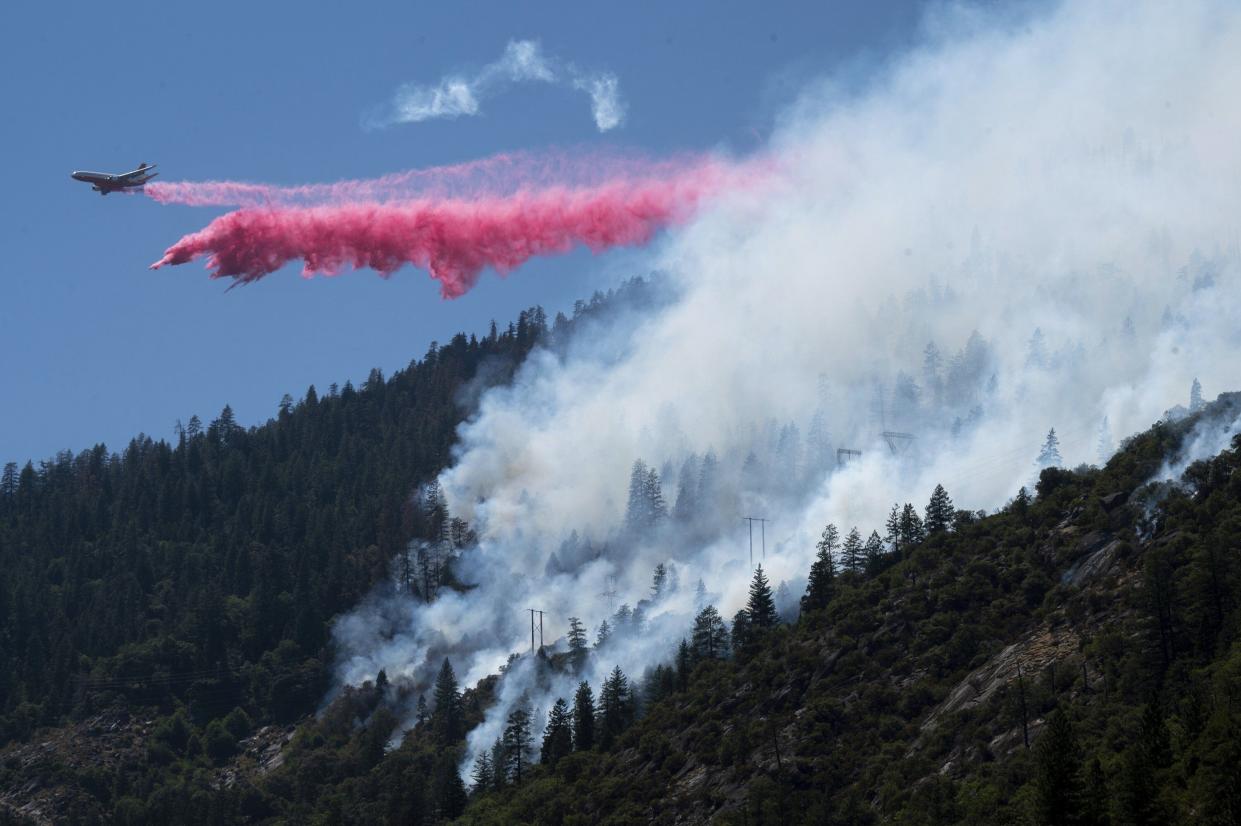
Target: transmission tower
<point>610,593</point>
<point>763,531</point>
<point>898,443</point>
<point>534,611</point>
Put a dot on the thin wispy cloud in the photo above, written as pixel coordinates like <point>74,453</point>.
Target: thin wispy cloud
<point>461,95</point>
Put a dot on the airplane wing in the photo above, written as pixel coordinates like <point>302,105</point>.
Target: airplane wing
<point>141,169</point>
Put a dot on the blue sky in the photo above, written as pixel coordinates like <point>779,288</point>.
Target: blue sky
<point>95,347</point>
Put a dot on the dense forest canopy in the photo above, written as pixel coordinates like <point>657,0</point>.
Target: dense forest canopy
<point>1068,659</point>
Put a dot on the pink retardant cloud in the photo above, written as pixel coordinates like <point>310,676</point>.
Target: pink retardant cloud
<point>453,239</point>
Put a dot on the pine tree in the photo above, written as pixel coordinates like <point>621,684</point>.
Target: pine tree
<point>1195,397</point>
<point>700,595</point>
<point>707,482</point>
<point>615,707</point>
<point>1057,774</point>
<point>938,511</point>
<point>686,508</point>
<point>874,549</point>
<point>742,633</point>
<point>1095,801</point>
<point>603,634</point>
<point>851,552</point>
<point>449,791</point>
<point>761,607</point>
<point>1049,456</point>
<point>558,736</point>
<point>499,770</point>
<point>911,530</point>
<point>483,774</point>
<point>579,648</point>
<point>659,581</point>
<point>893,528</point>
<point>821,585</point>
<point>517,743</point>
<point>422,709</point>
<point>446,719</point>
<point>583,718</point>
<point>656,507</point>
<point>685,661</point>
<point>710,635</point>
<point>637,518</point>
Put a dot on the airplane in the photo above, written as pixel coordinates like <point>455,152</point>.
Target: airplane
<point>103,182</point>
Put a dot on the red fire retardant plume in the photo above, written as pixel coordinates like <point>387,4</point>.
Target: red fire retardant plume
<point>453,239</point>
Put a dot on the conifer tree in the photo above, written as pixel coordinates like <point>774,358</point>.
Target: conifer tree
<point>821,585</point>
<point>893,528</point>
<point>583,718</point>
<point>1049,455</point>
<point>685,661</point>
<point>911,531</point>
<point>710,636</point>
<point>1057,778</point>
<point>1095,801</point>
<point>558,736</point>
<point>656,507</point>
<point>761,607</point>
<point>873,549</point>
<point>422,709</point>
<point>449,791</point>
<point>483,773</point>
<point>517,743</point>
<point>742,633</point>
<point>938,511</point>
<point>659,581</point>
<point>1195,397</point>
<point>636,514</point>
<point>579,648</point>
<point>446,719</point>
<point>851,552</point>
<point>615,707</point>
<point>499,765</point>
<point>603,634</point>
<point>686,507</point>
<point>707,482</point>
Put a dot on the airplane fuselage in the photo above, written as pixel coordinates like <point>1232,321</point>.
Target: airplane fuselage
<point>103,182</point>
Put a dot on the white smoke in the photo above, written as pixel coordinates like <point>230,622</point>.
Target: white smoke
<point>1078,175</point>
<point>523,61</point>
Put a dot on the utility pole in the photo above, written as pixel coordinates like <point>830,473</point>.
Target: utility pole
<point>763,528</point>
<point>534,611</point>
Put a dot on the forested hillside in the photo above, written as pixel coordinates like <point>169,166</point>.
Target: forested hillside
<point>1072,658</point>
<point>193,583</point>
